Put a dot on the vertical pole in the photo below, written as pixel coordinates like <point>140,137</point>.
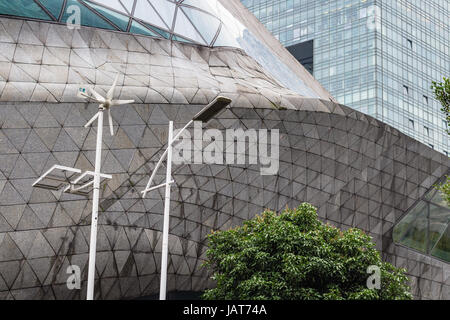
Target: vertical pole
<point>165,244</point>
<point>93,241</point>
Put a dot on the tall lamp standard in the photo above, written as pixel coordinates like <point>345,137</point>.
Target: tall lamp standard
<point>104,104</point>
<point>205,115</point>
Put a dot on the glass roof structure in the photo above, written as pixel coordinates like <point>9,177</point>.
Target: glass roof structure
<point>200,22</point>
<point>426,227</point>
<point>195,21</point>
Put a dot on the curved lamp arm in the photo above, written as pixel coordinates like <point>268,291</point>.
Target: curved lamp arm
<point>144,193</point>
<point>206,114</point>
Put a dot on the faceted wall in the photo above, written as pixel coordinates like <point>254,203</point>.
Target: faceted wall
<point>358,171</point>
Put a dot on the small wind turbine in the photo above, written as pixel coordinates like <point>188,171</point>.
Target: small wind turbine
<point>105,104</point>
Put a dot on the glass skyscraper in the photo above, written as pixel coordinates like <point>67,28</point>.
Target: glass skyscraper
<point>376,56</point>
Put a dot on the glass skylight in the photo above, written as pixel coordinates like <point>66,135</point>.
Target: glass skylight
<point>23,8</point>
<point>426,227</point>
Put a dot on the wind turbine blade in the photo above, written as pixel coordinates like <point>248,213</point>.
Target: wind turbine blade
<point>96,95</point>
<point>90,98</point>
<point>110,94</point>
<point>84,95</point>
<point>91,121</point>
<point>82,92</point>
<point>111,127</point>
<point>121,102</point>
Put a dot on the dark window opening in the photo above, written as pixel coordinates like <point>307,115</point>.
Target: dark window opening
<point>410,43</point>
<point>304,53</point>
<point>405,90</point>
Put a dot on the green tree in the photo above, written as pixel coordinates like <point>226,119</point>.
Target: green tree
<point>442,94</point>
<point>294,256</point>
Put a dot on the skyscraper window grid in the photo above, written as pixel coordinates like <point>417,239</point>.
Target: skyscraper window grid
<point>367,68</point>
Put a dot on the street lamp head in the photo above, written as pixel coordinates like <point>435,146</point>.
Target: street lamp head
<point>212,109</point>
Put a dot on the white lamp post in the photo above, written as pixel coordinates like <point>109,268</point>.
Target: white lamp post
<point>204,115</point>
<point>105,104</point>
<point>61,177</point>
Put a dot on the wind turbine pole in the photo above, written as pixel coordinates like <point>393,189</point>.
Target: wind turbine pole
<point>105,104</point>
<point>165,240</point>
<point>95,200</point>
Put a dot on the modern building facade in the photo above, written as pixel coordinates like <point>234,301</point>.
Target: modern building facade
<point>358,171</point>
<point>378,57</point>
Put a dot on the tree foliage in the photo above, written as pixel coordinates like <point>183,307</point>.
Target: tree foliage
<point>442,93</point>
<point>294,256</point>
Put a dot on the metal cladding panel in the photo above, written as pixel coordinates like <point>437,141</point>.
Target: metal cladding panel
<point>356,170</point>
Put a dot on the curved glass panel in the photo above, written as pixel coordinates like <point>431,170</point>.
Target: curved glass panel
<point>176,38</point>
<point>136,27</point>
<point>128,5</point>
<point>206,24</point>
<point>54,7</point>
<point>438,199</point>
<point>442,248</point>
<point>412,230</point>
<point>23,8</point>
<point>88,18</point>
<point>407,230</point>
<point>426,227</point>
<point>118,19</point>
<point>184,27</point>
<point>165,9</point>
<point>202,22</point>
<point>114,4</point>
<point>145,12</point>
<point>159,31</point>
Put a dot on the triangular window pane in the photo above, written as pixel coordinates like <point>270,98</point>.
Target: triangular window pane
<point>442,249</point>
<point>226,39</point>
<point>88,18</point>
<point>439,200</point>
<point>53,6</point>
<point>416,235</point>
<point>163,33</point>
<point>128,5</point>
<point>205,23</point>
<point>166,10</point>
<point>23,8</point>
<point>439,218</point>
<point>208,6</point>
<point>430,194</point>
<point>425,226</point>
<point>145,12</point>
<point>412,229</point>
<point>184,27</point>
<point>177,38</point>
<point>140,29</point>
<point>114,4</point>
<point>118,19</point>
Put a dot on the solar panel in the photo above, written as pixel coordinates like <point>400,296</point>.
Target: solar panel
<point>70,180</point>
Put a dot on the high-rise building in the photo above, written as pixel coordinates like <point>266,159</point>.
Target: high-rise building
<point>376,56</point>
